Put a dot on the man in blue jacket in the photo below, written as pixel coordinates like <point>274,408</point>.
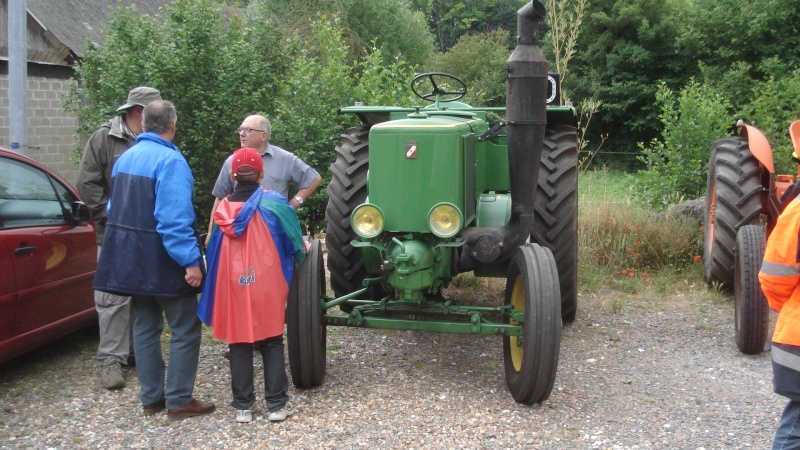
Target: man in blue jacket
<point>150,252</point>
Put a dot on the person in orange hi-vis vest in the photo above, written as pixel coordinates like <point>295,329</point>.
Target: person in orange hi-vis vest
<point>780,282</point>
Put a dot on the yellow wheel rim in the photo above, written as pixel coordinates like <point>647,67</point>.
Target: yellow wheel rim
<point>518,302</point>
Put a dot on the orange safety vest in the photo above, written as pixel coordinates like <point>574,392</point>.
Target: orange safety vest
<point>780,275</point>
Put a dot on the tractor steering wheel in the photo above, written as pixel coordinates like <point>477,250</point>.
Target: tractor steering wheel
<point>441,91</point>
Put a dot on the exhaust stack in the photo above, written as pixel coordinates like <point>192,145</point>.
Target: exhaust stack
<point>526,119</point>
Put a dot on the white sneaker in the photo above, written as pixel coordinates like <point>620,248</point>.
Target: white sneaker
<point>283,413</point>
<point>244,415</point>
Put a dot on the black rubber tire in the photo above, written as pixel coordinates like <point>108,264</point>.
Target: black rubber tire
<point>556,210</point>
<point>732,201</point>
<point>532,286</point>
<point>306,334</point>
<point>347,189</point>
<point>751,307</point>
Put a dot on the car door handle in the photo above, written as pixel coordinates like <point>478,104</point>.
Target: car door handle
<point>24,250</point>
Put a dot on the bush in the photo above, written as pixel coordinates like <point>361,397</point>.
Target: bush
<point>774,108</point>
<point>323,80</point>
<point>621,240</point>
<point>624,246</point>
<point>677,163</point>
<point>486,82</point>
<point>215,70</point>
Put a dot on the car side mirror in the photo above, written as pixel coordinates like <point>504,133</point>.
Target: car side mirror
<point>80,212</point>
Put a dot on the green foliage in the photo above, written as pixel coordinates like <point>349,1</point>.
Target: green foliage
<point>399,31</point>
<point>107,76</point>
<point>676,164</point>
<point>486,82</point>
<point>736,43</point>
<point>623,51</point>
<point>449,20</point>
<point>775,106</point>
<point>621,241</point>
<point>323,80</point>
<point>391,25</point>
<point>563,29</point>
<point>216,72</point>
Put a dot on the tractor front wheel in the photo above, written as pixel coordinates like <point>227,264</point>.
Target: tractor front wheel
<point>752,310</point>
<point>531,360</point>
<point>306,334</point>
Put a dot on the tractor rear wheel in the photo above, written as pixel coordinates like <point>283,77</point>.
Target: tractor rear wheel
<point>531,360</point>
<point>556,210</point>
<point>306,334</point>
<point>732,201</point>
<point>752,310</point>
<point>347,189</point>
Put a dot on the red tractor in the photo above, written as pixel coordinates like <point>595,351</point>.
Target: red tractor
<point>743,201</point>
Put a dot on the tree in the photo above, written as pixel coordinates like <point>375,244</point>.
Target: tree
<point>449,20</point>
<point>324,80</point>
<point>216,70</point>
<point>563,28</point>
<point>676,164</point>
<point>391,25</point>
<point>486,82</point>
<point>625,49</point>
<point>733,44</point>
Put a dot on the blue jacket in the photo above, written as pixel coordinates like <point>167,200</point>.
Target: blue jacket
<point>150,235</point>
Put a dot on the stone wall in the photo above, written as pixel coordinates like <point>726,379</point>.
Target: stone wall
<point>51,130</point>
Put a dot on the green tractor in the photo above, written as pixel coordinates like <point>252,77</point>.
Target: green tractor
<point>421,194</point>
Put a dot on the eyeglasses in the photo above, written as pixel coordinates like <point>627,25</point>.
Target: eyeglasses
<point>248,130</point>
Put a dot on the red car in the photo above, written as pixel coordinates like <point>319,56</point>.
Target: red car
<point>48,257</point>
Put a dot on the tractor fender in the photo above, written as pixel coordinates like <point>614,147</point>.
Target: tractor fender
<point>794,132</point>
<point>759,145</point>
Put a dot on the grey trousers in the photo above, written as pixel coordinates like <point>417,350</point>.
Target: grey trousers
<point>276,383</point>
<point>116,326</point>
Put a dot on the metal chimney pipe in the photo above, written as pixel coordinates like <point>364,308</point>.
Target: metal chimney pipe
<point>526,119</point>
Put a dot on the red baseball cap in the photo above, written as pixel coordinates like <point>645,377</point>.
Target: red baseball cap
<point>246,161</point>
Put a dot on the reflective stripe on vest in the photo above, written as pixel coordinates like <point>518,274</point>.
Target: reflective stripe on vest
<point>779,270</point>
<point>785,358</point>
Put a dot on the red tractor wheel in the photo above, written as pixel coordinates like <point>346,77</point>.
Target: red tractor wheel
<point>752,310</point>
<point>732,201</point>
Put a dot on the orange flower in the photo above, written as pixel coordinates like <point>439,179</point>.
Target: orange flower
<point>638,242</point>
<point>631,274</point>
<point>700,228</point>
<point>644,275</point>
<point>697,258</point>
<point>623,271</point>
<point>638,228</point>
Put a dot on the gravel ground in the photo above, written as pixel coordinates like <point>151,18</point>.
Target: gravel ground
<point>634,373</point>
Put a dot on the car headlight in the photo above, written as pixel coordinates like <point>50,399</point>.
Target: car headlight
<point>367,220</point>
<point>445,220</point>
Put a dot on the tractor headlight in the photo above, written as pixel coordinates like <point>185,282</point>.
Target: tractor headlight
<point>367,220</point>
<point>445,220</point>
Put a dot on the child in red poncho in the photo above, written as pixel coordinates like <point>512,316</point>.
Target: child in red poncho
<point>251,254</point>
